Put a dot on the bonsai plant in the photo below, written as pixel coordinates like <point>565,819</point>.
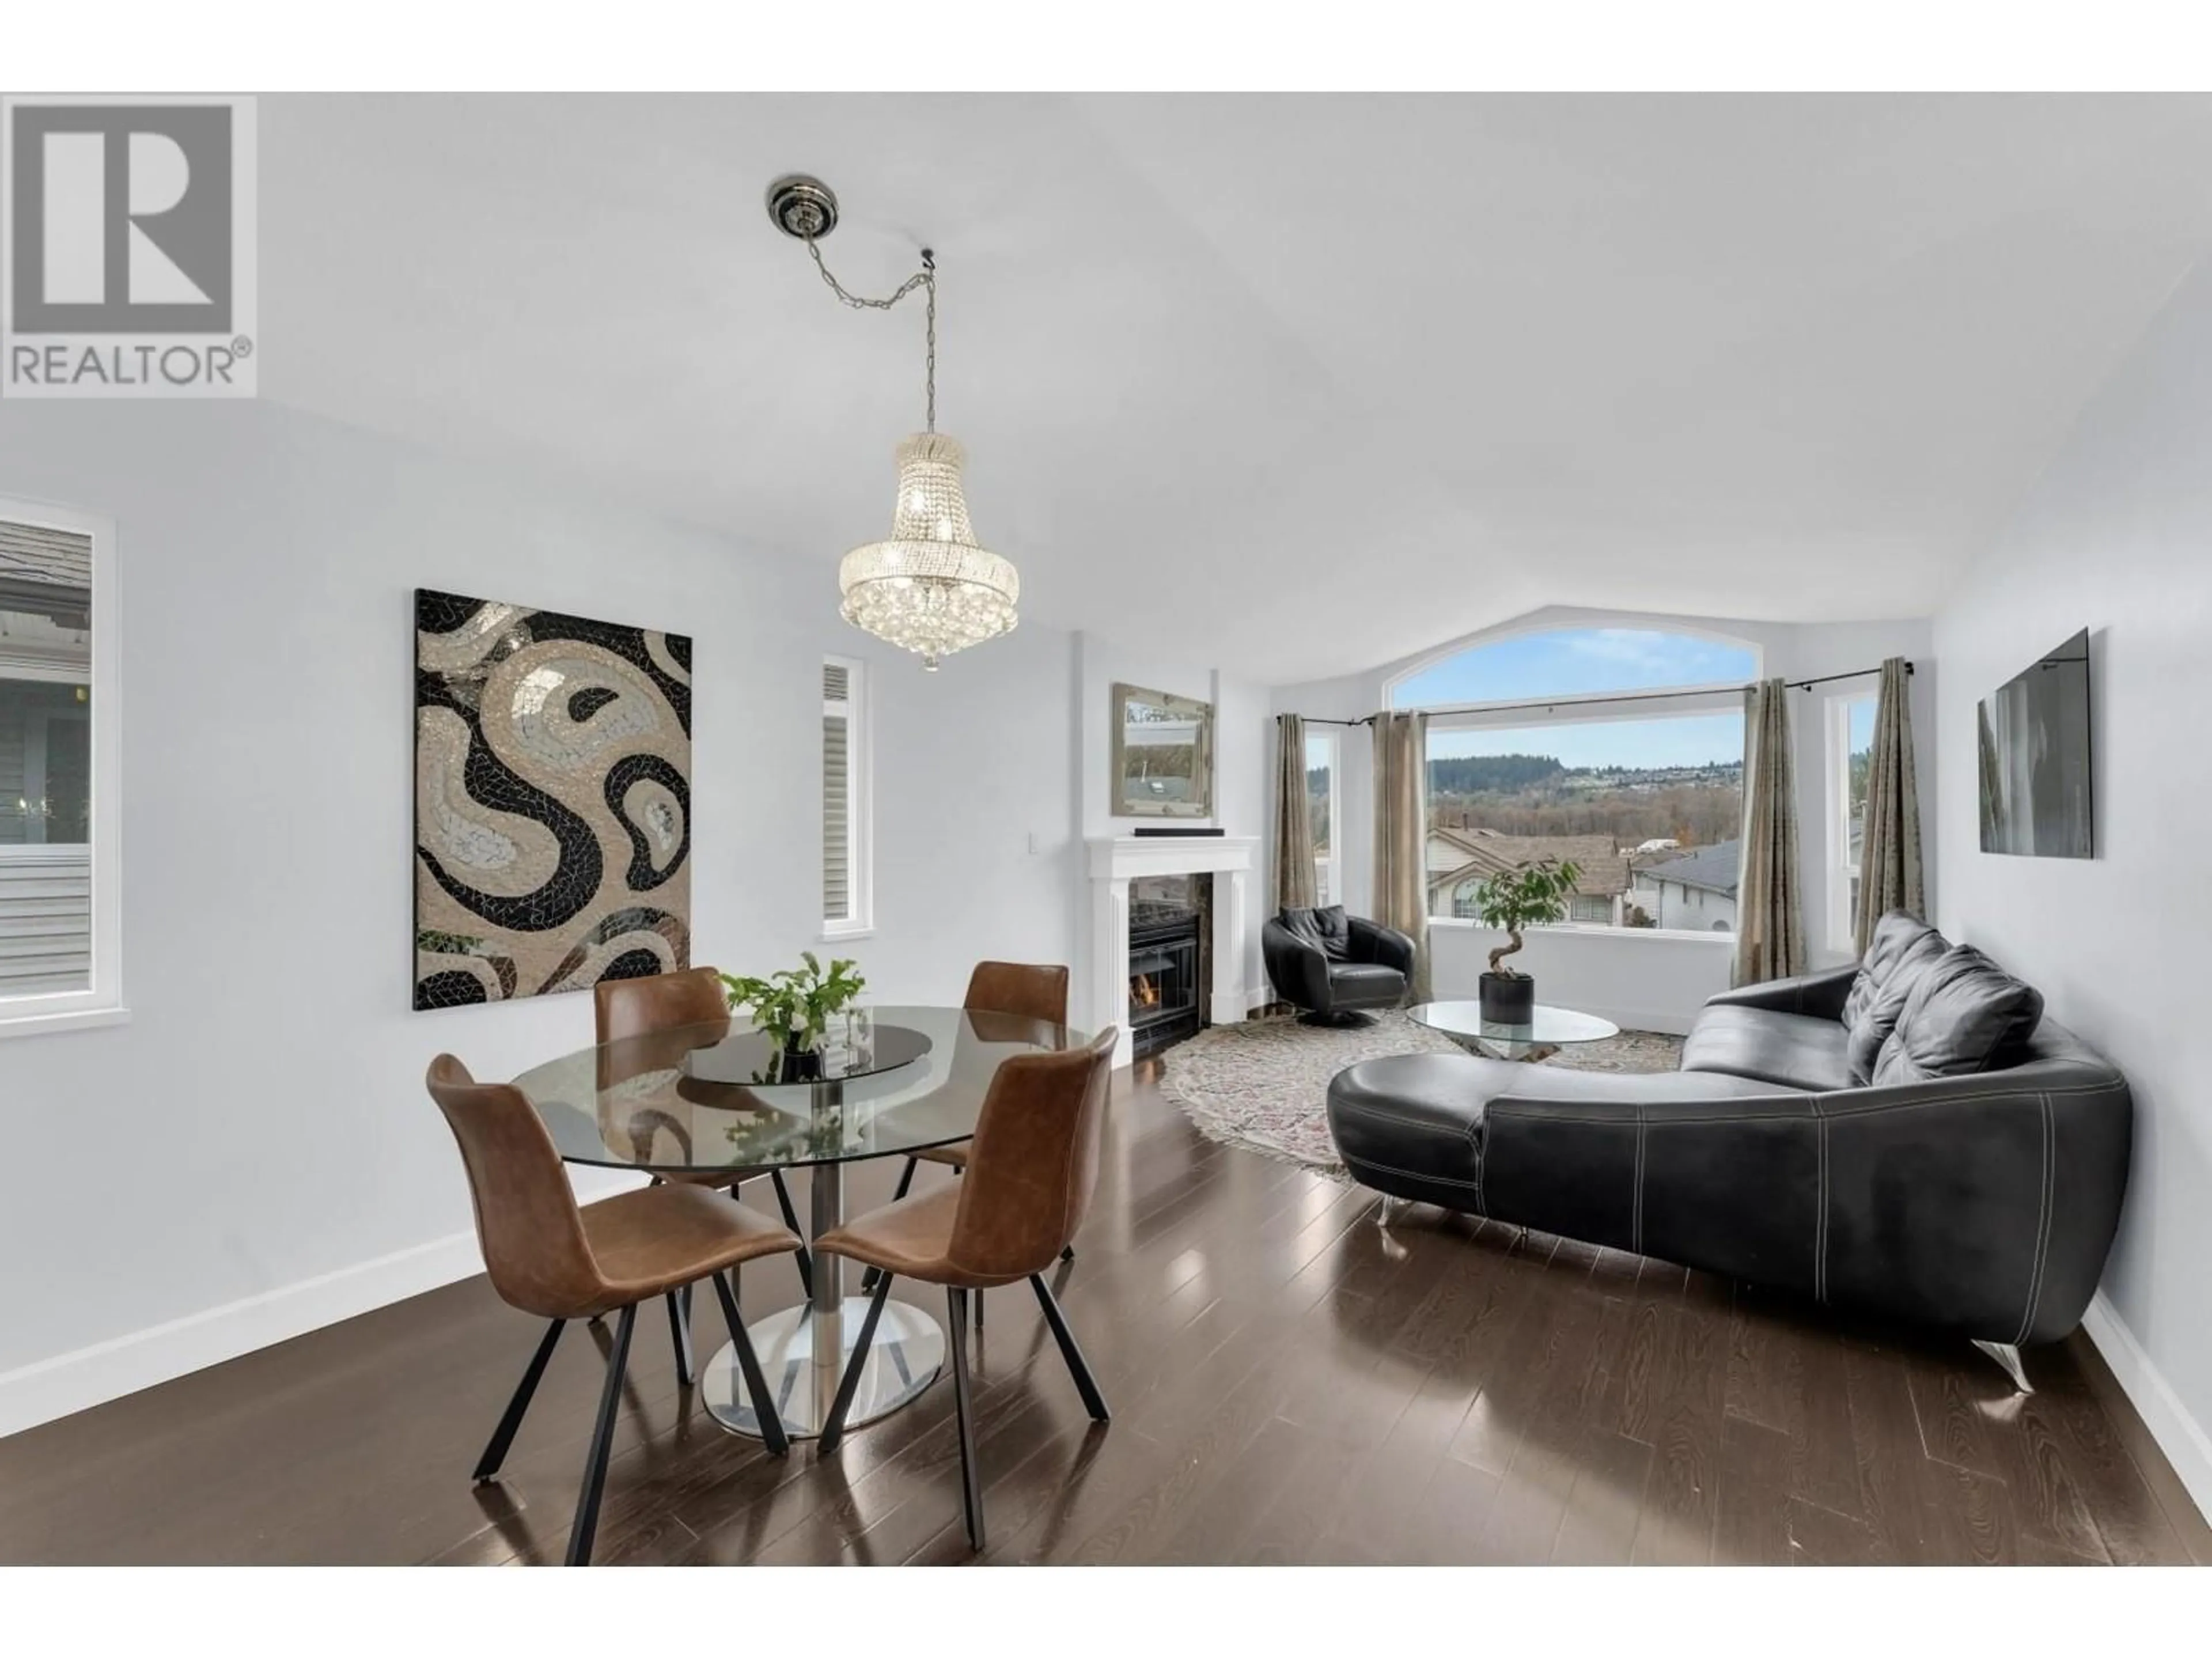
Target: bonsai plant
<point>1523,896</point>
<point>794,1006</point>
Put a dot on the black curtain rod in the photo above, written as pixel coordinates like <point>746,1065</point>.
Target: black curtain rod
<point>1627,696</point>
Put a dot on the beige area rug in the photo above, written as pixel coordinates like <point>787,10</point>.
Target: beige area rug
<point>1264,1084</point>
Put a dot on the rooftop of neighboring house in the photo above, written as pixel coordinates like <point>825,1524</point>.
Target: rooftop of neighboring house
<point>60,558</point>
<point>1453,855</point>
<point>1712,869</point>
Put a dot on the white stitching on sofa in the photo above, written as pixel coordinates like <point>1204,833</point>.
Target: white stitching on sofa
<point>1820,1214</point>
<point>2042,1223</point>
<point>1475,1186</point>
<point>2017,1096</point>
<point>1636,1224</point>
<point>1449,1134</point>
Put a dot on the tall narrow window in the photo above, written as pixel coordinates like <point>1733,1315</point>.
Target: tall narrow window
<point>1321,810</point>
<point>845,873</point>
<point>57,921</point>
<point>1851,747</point>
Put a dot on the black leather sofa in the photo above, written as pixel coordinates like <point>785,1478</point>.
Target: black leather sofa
<point>1907,1138</point>
<point>1335,968</point>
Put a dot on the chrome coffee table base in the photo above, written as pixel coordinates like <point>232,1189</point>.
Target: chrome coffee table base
<point>1530,1053</point>
<point>903,1360</point>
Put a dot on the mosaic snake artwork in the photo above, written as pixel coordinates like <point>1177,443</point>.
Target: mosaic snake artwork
<point>552,801</point>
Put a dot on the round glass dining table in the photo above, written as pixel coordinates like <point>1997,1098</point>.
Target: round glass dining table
<point>721,1097</point>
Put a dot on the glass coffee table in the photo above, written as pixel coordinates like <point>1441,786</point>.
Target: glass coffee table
<point>1548,1030</point>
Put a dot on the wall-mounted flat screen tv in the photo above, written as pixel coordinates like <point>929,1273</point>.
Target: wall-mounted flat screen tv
<point>2035,759</point>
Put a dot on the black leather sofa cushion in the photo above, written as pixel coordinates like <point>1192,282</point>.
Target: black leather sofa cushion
<point>1896,936</point>
<point>1965,1015</point>
<point>1877,1014</point>
<point>1417,1122</point>
<point>1365,984</point>
<point>1327,926</point>
<point>1797,1051</point>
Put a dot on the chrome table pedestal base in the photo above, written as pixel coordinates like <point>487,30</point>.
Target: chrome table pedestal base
<point>803,1349</point>
<point>904,1359</point>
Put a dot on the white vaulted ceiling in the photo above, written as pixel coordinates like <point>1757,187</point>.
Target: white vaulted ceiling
<point>1293,385</point>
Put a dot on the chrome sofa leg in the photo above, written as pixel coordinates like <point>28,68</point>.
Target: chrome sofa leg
<point>2009,1356</point>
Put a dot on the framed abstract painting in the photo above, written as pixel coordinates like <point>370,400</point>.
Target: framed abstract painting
<point>552,801</point>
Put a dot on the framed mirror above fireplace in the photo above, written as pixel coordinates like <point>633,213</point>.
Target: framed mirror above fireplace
<point>1163,755</point>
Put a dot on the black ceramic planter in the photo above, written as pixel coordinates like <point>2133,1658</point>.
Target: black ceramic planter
<point>797,1062</point>
<point>1507,1000</point>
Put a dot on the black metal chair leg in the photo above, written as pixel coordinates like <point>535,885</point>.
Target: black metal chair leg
<point>905,1180</point>
<point>834,1430</point>
<point>1067,1253</point>
<point>978,1306</point>
<point>679,1333</point>
<point>1085,1384</point>
<point>971,1489</point>
<point>494,1451</point>
<point>772,1436</point>
<point>790,1220</point>
<point>602,1439</point>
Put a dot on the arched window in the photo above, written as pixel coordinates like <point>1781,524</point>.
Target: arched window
<point>1575,662</point>
<point>1552,744</point>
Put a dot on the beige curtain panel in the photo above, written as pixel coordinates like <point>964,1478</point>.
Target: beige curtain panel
<point>1294,852</point>
<point>1770,918</point>
<point>1401,834</point>
<point>1889,842</point>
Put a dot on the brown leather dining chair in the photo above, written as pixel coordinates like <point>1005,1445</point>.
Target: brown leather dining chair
<point>547,1256</point>
<point>1032,1168</point>
<point>625,1008</point>
<point>1027,990</point>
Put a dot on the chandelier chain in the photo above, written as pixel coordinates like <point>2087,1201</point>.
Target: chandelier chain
<point>926,279</point>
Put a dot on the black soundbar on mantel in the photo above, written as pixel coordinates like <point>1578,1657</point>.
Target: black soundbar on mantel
<point>1172,830</point>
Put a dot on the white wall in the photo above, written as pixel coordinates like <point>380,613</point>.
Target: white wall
<point>253,1154</point>
<point>1639,979</point>
<point>2114,538</point>
<point>1243,758</point>
<point>1679,906</point>
<point>977,850</point>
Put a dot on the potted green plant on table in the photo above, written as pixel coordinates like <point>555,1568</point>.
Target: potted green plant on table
<point>794,1005</point>
<point>1527,896</point>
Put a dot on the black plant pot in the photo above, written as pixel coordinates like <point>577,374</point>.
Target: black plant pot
<point>1508,1000</point>
<point>797,1062</point>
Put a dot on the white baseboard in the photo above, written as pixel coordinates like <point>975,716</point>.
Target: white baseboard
<point>2179,1434</point>
<point>69,1383</point>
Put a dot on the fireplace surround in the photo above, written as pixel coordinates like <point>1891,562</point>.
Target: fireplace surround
<point>1170,953</point>
<point>1122,869</point>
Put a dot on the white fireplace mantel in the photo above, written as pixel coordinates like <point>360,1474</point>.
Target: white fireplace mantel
<point>1115,860</point>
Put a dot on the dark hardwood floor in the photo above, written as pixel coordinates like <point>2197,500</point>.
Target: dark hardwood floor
<point>1291,1383</point>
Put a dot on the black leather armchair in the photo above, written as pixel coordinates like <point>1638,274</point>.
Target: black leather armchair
<point>1335,967</point>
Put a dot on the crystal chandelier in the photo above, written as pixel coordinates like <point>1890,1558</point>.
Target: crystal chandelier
<point>928,588</point>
